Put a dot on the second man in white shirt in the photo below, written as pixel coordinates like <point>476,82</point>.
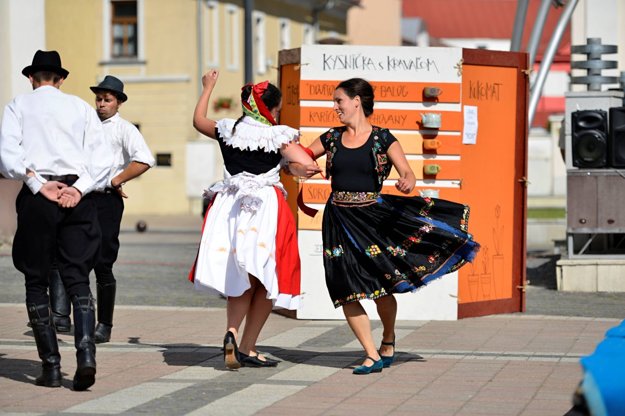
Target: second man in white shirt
<point>131,158</point>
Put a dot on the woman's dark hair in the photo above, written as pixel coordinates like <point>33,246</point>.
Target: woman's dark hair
<point>359,87</point>
<point>271,97</point>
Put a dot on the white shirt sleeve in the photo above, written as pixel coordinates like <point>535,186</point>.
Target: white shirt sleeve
<point>13,158</point>
<point>135,146</point>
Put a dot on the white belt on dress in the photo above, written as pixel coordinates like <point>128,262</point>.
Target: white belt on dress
<point>244,187</point>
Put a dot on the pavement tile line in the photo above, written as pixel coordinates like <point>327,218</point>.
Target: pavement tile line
<point>126,399</point>
<point>248,401</point>
<point>202,372</point>
<point>307,371</point>
<point>296,336</point>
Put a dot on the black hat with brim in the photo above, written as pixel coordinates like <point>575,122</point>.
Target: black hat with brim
<point>46,61</point>
<point>111,84</point>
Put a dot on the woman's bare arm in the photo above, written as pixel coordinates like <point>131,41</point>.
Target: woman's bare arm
<point>202,123</point>
<point>310,168</point>
<point>407,180</point>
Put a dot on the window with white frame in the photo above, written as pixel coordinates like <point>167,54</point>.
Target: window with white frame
<point>122,29</point>
<point>309,34</point>
<point>211,33</point>
<point>232,30</point>
<point>260,42</point>
<point>285,33</point>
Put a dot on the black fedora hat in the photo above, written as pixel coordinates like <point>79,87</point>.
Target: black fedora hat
<point>112,84</point>
<point>46,61</point>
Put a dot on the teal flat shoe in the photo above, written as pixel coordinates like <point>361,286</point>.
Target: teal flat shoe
<point>375,368</point>
<point>388,359</point>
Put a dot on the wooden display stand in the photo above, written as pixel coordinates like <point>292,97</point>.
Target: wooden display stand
<point>479,154</point>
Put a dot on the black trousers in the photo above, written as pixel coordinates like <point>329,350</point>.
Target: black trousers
<point>110,207</point>
<point>46,232</point>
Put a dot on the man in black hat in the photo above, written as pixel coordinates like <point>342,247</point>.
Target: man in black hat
<point>55,144</point>
<point>132,158</point>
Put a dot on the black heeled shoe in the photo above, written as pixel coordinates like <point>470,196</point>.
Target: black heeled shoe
<point>386,359</point>
<point>254,361</point>
<point>231,352</point>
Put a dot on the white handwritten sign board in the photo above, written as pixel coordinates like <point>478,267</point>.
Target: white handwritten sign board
<point>380,63</point>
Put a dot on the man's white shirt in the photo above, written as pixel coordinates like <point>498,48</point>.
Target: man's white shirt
<point>127,144</point>
<point>52,133</point>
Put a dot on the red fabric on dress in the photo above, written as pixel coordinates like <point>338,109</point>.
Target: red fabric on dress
<point>288,265</point>
<point>191,276</point>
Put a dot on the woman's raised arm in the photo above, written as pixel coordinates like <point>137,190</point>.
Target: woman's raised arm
<point>202,123</point>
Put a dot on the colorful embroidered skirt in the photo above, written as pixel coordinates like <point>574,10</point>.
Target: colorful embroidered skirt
<point>376,244</point>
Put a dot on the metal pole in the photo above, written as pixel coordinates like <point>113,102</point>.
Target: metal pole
<point>519,24</point>
<point>249,58</point>
<point>548,59</point>
<point>537,31</point>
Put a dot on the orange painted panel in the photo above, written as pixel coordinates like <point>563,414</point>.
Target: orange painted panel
<point>316,193</point>
<point>489,183</point>
<point>449,169</point>
<point>289,84</point>
<point>391,119</point>
<point>413,143</point>
<point>304,222</point>
<point>385,91</point>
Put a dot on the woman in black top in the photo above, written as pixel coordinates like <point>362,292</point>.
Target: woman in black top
<point>375,244</point>
<point>248,250</point>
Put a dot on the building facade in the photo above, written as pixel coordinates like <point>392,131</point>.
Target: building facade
<point>160,49</point>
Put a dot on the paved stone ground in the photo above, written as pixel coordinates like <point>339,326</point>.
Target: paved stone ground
<point>165,355</point>
<point>168,361</point>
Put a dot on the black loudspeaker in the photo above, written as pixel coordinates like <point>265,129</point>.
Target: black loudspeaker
<point>589,135</point>
<point>616,143</point>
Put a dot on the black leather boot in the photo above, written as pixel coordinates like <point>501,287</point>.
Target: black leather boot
<point>106,305</point>
<point>84,328</point>
<point>47,345</point>
<point>59,303</point>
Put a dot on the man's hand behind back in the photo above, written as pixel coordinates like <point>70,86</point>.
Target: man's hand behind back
<point>51,190</point>
<point>69,197</point>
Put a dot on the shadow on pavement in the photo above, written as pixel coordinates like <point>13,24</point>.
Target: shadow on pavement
<point>339,359</point>
<point>26,371</point>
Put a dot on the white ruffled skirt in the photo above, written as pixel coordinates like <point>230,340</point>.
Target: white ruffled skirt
<point>237,243</point>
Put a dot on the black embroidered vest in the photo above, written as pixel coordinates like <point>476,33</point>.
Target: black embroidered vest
<point>378,151</point>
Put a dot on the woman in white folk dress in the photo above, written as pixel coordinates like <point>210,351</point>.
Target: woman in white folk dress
<point>248,251</point>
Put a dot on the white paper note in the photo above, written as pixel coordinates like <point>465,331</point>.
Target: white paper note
<point>469,133</point>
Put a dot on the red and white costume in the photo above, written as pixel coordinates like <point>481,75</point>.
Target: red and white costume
<point>249,230</point>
